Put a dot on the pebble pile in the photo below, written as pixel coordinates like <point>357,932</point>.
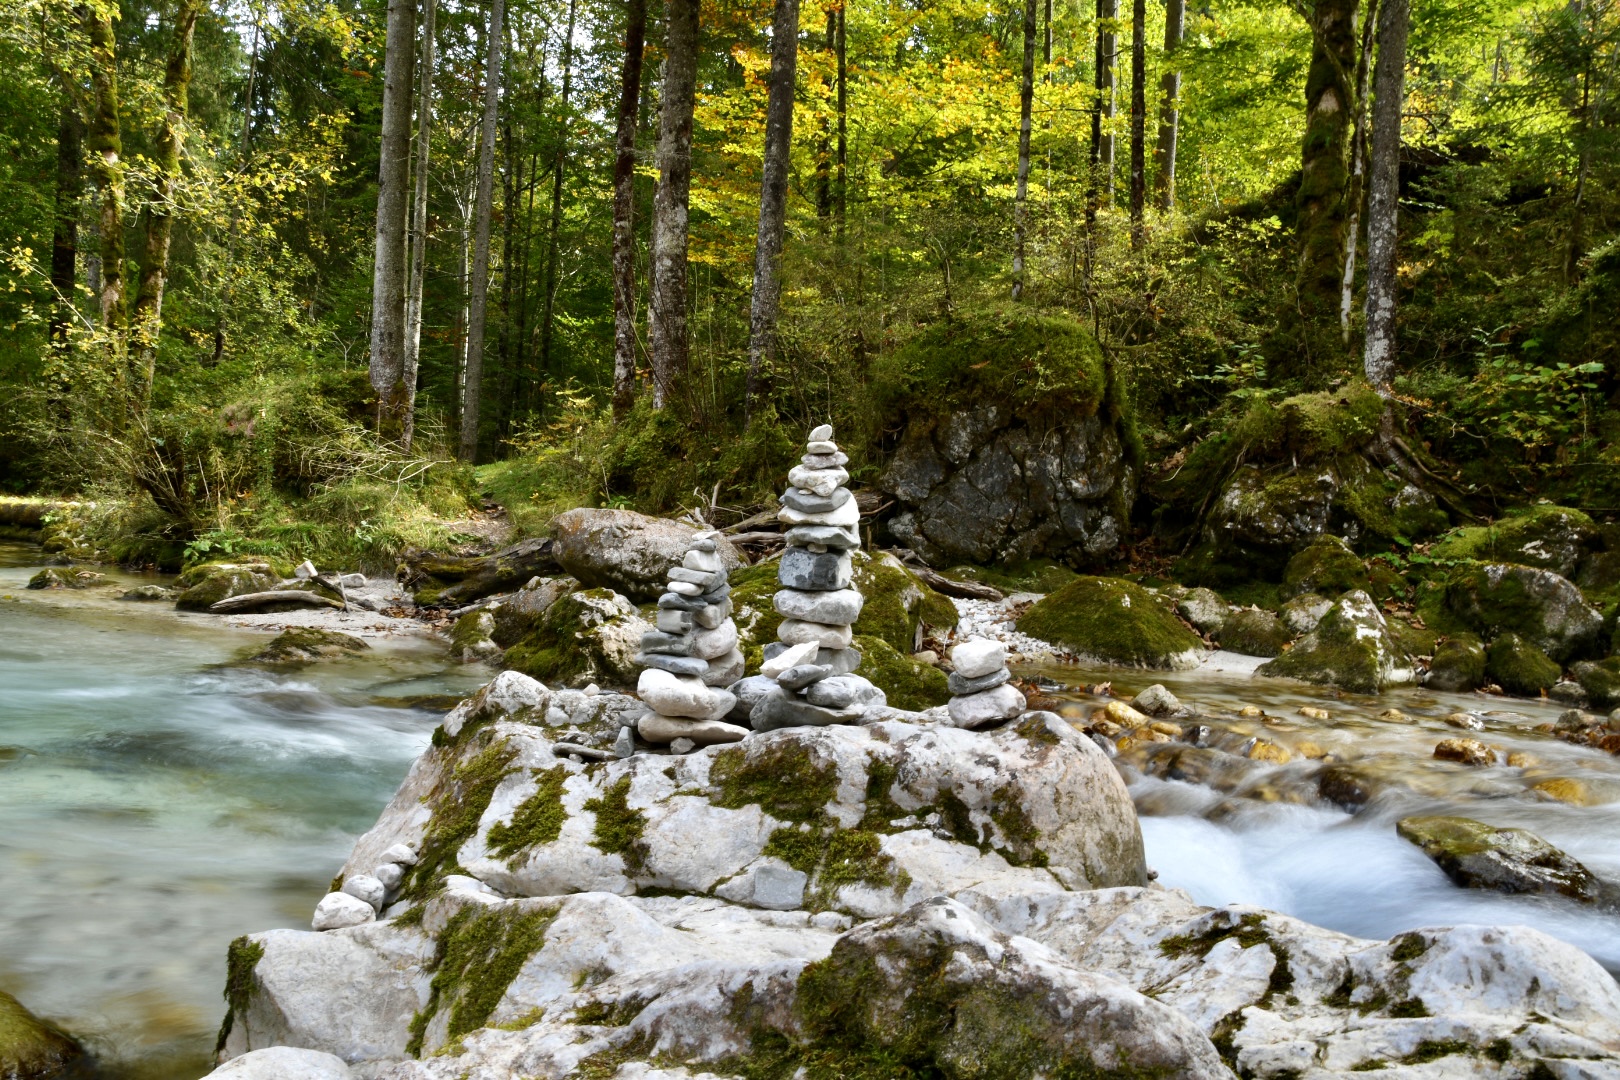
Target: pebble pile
<point>692,655</point>
<point>808,676</point>
<point>363,896</point>
<point>981,689</point>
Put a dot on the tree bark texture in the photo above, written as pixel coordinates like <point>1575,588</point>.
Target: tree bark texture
<point>773,191</point>
<point>157,216</point>
<point>105,152</point>
<point>478,286</point>
<point>841,172</point>
<point>393,175</point>
<point>418,232</point>
<point>1138,123</point>
<point>1094,178</point>
<point>1355,190</point>
<point>1324,178</point>
<point>1175,18</point>
<point>65,226</point>
<point>554,237</point>
<point>1389,94</point>
<point>668,287</point>
<point>824,145</point>
<point>624,211</point>
<point>1107,52</point>
<point>1026,102</point>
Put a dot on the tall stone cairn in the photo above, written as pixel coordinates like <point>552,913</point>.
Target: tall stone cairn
<point>813,664</point>
<point>692,654</point>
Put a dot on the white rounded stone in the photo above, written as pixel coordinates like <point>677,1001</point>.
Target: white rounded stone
<point>987,707</point>
<point>847,514</point>
<point>285,1063</point>
<point>366,887</point>
<point>400,853</point>
<point>710,644</point>
<point>798,632</point>
<point>390,874</point>
<point>789,658</point>
<point>339,910</point>
<point>663,730</point>
<point>821,433</point>
<point>675,695</point>
<point>821,482</point>
<point>978,657</point>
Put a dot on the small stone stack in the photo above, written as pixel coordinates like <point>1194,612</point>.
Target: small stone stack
<point>691,655</point>
<point>981,689</point>
<point>813,664</point>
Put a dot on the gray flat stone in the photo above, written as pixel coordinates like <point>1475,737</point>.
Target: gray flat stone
<point>675,665</point>
<point>842,691</point>
<point>810,572</point>
<point>806,503</point>
<point>779,889</point>
<point>839,537</point>
<point>797,678</point>
<point>783,709</point>
<point>660,642</point>
<point>960,686</point>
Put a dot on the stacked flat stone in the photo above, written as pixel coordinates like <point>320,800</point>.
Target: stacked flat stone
<point>812,665</point>
<point>981,688</point>
<point>692,655</point>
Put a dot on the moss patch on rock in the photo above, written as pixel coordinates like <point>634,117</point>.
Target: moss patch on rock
<point>1549,537</point>
<point>753,610</point>
<point>1351,648</point>
<point>537,820</point>
<point>456,807</point>
<point>907,683</point>
<point>1115,621</point>
<point>479,953</point>
<point>1327,566</point>
<point>1601,681</point>
<point>583,636</point>
<point>1519,667</point>
<point>1254,632</point>
<point>1311,427</point>
<point>205,586</point>
<point>785,778</point>
<point>619,828</point>
<point>1458,665</point>
<point>30,1047</point>
<point>299,645</point>
<point>241,957</point>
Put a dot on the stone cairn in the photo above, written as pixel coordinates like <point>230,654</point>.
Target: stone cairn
<point>812,665</point>
<point>981,689</point>
<point>692,655</point>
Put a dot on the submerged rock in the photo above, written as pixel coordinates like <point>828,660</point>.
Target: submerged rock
<point>31,1048</point>
<point>1351,648</point>
<point>1116,622</point>
<point>1480,856</point>
<point>300,645</point>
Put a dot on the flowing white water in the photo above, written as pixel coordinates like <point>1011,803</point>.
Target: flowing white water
<point>154,805</point>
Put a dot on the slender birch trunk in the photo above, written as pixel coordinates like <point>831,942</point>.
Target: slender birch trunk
<point>668,287</point>
<point>393,176</point>
<point>773,190</point>
<point>1389,90</point>
<point>624,211</point>
<point>418,232</point>
<point>1026,100</point>
<point>1358,170</point>
<point>478,287</point>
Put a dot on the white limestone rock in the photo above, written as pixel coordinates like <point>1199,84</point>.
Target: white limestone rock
<point>664,730</point>
<point>987,706</point>
<point>507,694</point>
<point>977,657</point>
<point>339,910</point>
<point>798,632</point>
<point>285,1063</point>
<point>677,695</point>
<point>366,887</point>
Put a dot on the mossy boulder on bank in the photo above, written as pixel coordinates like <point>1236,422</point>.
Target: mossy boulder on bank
<point>30,1048</point>
<point>472,637</point>
<point>1458,665</point>
<point>1254,632</point>
<point>1542,607</point>
<point>1549,537</point>
<point>1117,622</point>
<point>204,586</point>
<point>1351,648</point>
<point>1601,681</point>
<point>1327,566</point>
<point>299,645</point>
<point>907,683</point>
<point>522,611</point>
<point>587,636</point>
<point>1518,667</point>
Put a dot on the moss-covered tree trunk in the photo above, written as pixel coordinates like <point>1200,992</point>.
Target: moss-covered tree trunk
<point>483,206</point>
<point>1390,88</point>
<point>157,216</point>
<point>1323,209</point>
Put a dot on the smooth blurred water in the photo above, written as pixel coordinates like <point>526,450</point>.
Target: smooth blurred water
<point>1273,844</point>
<point>154,804</point>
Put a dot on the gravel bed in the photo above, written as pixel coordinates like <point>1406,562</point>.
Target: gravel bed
<point>994,619</point>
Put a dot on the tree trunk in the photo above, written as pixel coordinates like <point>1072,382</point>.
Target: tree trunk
<point>247,95</point>
<point>1107,51</point>
<point>1094,174</point>
<point>65,227</point>
<point>1389,93</point>
<point>393,174</point>
<point>1324,176</point>
<point>1026,101</point>
<point>1138,123</point>
<point>105,154</point>
<point>824,197</point>
<point>624,211</point>
<point>773,190</point>
<point>1046,46</point>
<point>1358,169</point>
<point>478,287</point>
<point>841,162</point>
<point>668,291</point>
<point>554,241</point>
<point>413,289</point>
<point>1175,16</point>
<point>157,217</point>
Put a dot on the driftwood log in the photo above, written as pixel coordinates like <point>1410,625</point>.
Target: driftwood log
<point>449,581</point>
<point>274,600</point>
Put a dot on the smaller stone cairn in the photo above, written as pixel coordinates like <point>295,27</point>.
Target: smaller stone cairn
<point>692,655</point>
<point>982,692</point>
<point>813,664</point>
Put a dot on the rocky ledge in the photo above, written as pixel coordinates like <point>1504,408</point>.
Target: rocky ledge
<point>901,899</point>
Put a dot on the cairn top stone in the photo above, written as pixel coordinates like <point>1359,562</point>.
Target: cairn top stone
<point>821,433</point>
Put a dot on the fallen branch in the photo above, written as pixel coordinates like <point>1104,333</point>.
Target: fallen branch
<point>275,598</point>
<point>965,590</point>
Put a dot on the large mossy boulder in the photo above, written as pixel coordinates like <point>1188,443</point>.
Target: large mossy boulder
<point>522,611</point>
<point>297,646</point>
<point>1254,632</point>
<point>588,636</point>
<point>1601,681</point>
<point>1548,537</point>
<point>1018,441</point>
<point>625,551</point>
<point>1480,856</point>
<point>30,1048</point>
<point>1540,606</point>
<point>1352,648</point>
<point>907,683</point>
<point>1458,665</point>
<point>206,585</point>
<point>1327,566</point>
<point>1518,667</point>
<point>1116,622</point>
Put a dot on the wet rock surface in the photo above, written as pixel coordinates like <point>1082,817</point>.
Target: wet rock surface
<point>1480,856</point>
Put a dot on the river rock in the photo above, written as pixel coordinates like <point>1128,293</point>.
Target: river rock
<point>1458,665</point>
<point>339,910</point>
<point>366,887</point>
<point>665,729</point>
<point>678,695</point>
<point>1254,632</point>
<point>675,665</point>
<point>798,632</point>
<point>1302,614</point>
<point>842,691</point>
<point>835,608</point>
<point>809,571</point>
<point>1551,538</point>
<point>785,708</point>
<point>1480,856</point>
<point>1326,566</point>
<point>1116,622</point>
<point>817,481</point>
<point>1352,648</point>
<point>978,657</point>
<point>284,1063</point>
<point>31,1048</point>
<point>1205,610</point>
<point>147,593</point>
<point>627,552</point>
<point>1599,681</point>
<point>959,686</point>
<point>987,707</point>
<point>1543,608</point>
<point>205,586</point>
<point>300,645</point>
<point>1464,752</point>
<point>507,694</point>
<point>1519,667</point>
<point>584,637</point>
<point>1156,701</point>
<point>472,637</point>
